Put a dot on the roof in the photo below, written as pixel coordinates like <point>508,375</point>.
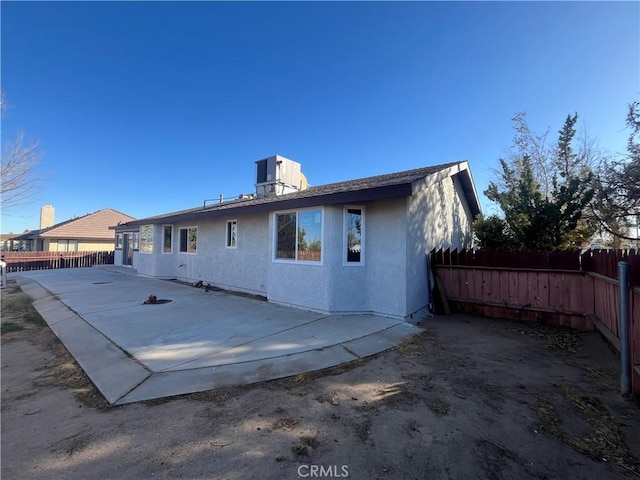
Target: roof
<point>93,226</point>
<point>392,185</point>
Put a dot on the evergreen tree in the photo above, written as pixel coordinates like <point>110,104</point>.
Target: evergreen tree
<point>543,211</point>
<point>617,201</point>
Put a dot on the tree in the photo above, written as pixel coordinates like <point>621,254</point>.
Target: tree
<point>543,193</point>
<point>617,185</point>
<point>19,174</point>
<point>493,233</point>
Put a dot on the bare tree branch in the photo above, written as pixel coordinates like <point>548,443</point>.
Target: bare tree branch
<point>19,175</point>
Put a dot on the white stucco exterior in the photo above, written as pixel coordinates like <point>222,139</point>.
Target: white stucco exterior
<point>392,279</point>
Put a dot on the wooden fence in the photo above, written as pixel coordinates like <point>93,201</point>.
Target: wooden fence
<point>563,288</point>
<point>24,261</point>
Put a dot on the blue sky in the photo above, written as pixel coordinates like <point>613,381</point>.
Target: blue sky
<point>153,107</point>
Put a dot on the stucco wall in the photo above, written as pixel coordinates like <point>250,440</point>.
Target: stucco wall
<point>301,284</point>
<point>243,268</point>
<point>375,287</point>
<point>438,216</point>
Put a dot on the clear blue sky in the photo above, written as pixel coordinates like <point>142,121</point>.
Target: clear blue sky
<point>153,107</point>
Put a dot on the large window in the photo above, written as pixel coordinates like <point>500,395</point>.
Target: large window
<point>299,236</point>
<point>167,238</point>
<point>146,238</point>
<point>67,245</point>
<point>232,234</point>
<point>189,239</point>
<point>354,235</point>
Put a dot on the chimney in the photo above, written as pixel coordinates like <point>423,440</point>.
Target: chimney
<point>46,216</point>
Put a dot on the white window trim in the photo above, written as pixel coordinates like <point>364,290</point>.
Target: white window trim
<point>187,252</point>
<point>362,235</point>
<point>274,240</point>
<point>226,234</point>
<point>135,240</point>
<point>172,238</point>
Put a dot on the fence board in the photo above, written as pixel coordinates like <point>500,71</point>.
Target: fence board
<point>26,261</point>
<point>524,286</point>
<point>635,325</point>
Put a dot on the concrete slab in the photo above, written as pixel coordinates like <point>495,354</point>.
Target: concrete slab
<point>201,379</point>
<point>198,341</point>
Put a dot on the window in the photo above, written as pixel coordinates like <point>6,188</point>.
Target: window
<point>118,240</point>
<point>136,240</point>
<point>67,245</point>
<point>232,233</point>
<point>354,235</point>
<point>146,238</point>
<point>189,239</point>
<point>167,238</point>
<point>299,236</point>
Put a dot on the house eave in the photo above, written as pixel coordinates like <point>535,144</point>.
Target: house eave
<point>278,204</point>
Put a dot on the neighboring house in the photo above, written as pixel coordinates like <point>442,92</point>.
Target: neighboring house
<point>344,248</point>
<point>87,233</point>
<point>9,242</point>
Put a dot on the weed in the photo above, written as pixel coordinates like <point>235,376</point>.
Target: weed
<point>8,327</point>
<point>285,422</point>
<point>439,406</point>
<point>32,316</point>
<point>17,303</point>
<point>300,450</point>
<point>310,441</point>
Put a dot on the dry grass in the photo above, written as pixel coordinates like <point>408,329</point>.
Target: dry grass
<point>8,327</point>
<point>62,371</point>
<point>603,441</point>
<point>284,423</point>
<point>439,407</point>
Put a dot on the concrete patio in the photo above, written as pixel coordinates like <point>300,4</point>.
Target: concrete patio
<point>198,341</point>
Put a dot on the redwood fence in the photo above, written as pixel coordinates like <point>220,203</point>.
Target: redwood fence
<point>563,288</point>
<point>24,261</point>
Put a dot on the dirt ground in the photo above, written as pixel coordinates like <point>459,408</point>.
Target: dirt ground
<point>468,398</point>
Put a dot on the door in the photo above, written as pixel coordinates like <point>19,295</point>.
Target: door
<point>127,249</point>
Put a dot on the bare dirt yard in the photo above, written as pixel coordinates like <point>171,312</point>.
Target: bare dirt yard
<point>468,398</point>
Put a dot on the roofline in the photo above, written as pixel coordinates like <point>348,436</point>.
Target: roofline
<point>405,188</point>
<point>363,195</point>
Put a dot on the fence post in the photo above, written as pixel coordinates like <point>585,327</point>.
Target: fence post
<point>3,273</point>
<point>625,352</point>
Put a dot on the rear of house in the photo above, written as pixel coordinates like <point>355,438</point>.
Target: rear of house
<point>351,247</point>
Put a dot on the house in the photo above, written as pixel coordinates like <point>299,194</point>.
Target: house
<point>89,232</point>
<point>358,246</point>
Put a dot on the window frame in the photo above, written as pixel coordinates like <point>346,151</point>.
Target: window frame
<point>228,234</point>
<point>187,229</point>
<point>66,242</point>
<point>164,246</point>
<point>135,235</point>
<point>119,240</point>
<point>145,240</point>
<point>345,234</point>
<point>295,260</point>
